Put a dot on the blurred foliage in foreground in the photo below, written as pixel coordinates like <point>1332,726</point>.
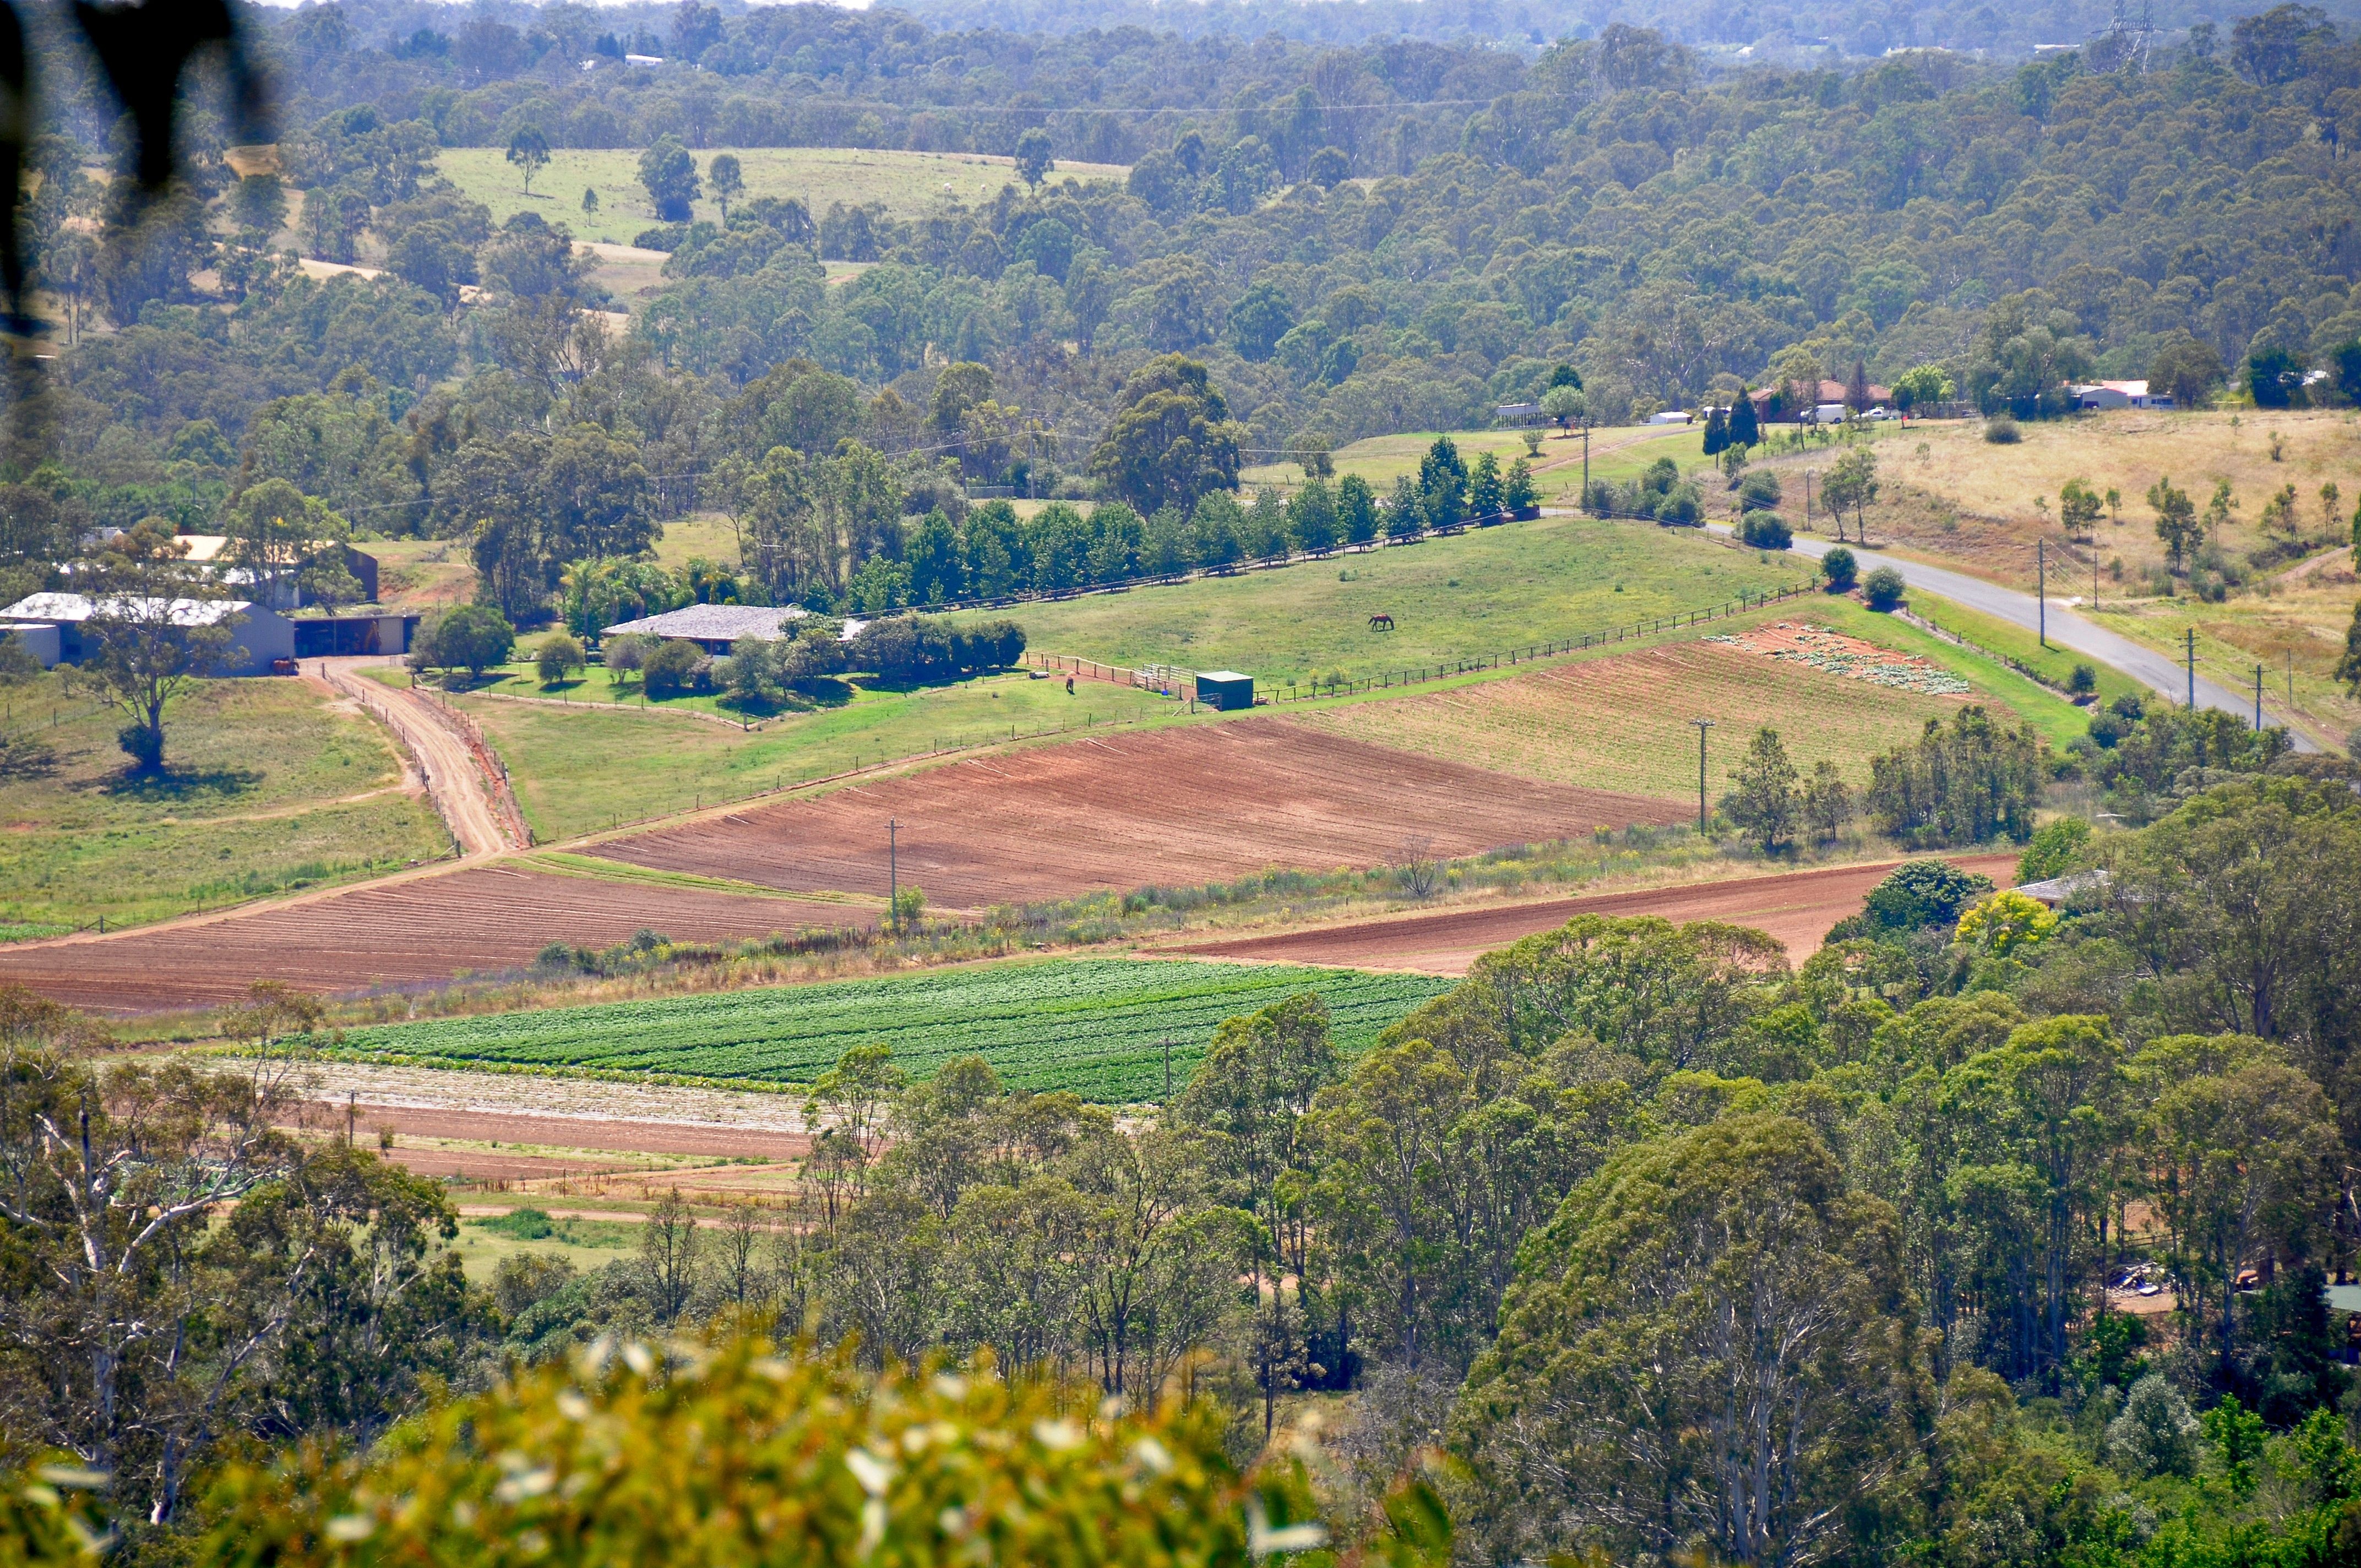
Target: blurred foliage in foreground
<point>735,1452</point>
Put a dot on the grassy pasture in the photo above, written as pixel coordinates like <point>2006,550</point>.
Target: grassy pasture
<point>269,786</point>
<point>1623,721</point>
<point>422,576</point>
<point>1096,1027</point>
<point>909,183</point>
<point>1475,593</point>
<point>580,767</point>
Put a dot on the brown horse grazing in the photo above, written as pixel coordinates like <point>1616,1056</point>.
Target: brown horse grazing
<point>1381,621</point>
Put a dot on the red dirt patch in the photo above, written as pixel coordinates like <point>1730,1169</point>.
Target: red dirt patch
<point>1188,805</point>
<point>581,1133</point>
<point>420,930</point>
<point>1797,908</point>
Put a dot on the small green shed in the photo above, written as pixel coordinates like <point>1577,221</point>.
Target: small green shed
<point>1224,689</point>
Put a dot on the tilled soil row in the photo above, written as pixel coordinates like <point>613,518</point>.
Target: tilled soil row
<point>1173,807</point>
<point>1797,908</point>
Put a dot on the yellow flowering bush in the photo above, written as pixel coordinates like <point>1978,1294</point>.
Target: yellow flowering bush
<point>736,1453</point>
<point>2007,921</point>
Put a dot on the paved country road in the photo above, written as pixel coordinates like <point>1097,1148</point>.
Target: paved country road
<point>2156,671</point>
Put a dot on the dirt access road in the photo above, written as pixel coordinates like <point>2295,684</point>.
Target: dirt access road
<point>453,778</point>
<point>1797,907</point>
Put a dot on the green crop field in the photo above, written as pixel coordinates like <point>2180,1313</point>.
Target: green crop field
<point>1096,1027</point>
<point>909,183</point>
<point>1472,594</point>
<point>268,786</point>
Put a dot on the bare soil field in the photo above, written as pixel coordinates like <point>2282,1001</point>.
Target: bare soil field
<point>1182,806</point>
<point>562,1139</point>
<point>1797,907</point>
<point>1623,722</point>
<point>421,930</point>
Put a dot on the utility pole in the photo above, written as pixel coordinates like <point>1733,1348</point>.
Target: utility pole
<point>1807,503</point>
<point>1168,1069</point>
<point>2041,585</point>
<point>894,874</point>
<point>2258,696</point>
<point>2094,577</point>
<point>1702,726</point>
<point>2191,642</point>
<point>1586,462</point>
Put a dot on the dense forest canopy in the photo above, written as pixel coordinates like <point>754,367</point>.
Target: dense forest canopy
<point>1355,239</point>
<point>1669,229</point>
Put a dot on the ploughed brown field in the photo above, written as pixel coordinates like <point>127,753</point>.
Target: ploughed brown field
<point>1797,908</point>
<point>416,931</point>
<point>1175,807</point>
<point>572,1135</point>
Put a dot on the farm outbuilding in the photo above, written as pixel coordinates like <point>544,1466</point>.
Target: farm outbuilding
<point>352,632</point>
<point>262,638</point>
<point>1224,689</point>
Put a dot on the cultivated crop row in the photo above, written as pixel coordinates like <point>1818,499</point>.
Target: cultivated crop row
<point>1099,1027</point>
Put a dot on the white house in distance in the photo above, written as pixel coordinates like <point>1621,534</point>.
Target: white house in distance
<point>51,626</point>
<point>2118,395</point>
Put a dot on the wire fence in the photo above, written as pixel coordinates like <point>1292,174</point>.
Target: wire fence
<point>493,771</point>
<point>1928,623</point>
<point>1181,684</point>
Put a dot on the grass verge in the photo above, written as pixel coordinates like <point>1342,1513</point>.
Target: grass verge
<point>269,786</point>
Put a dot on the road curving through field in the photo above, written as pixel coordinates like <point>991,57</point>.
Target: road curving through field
<point>2156,671</point>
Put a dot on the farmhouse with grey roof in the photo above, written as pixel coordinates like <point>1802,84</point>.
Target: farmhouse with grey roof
<point>714,626</point>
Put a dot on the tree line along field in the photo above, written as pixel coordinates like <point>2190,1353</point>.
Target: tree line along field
<point>269,786</point>
<point>1096,1027</point>
<point>1466,596</point>
<point>1618,452</point>
<point>909,183</point>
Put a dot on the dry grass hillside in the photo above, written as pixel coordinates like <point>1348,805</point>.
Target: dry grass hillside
<point>1951,496</point>
<point>1948,492</point>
